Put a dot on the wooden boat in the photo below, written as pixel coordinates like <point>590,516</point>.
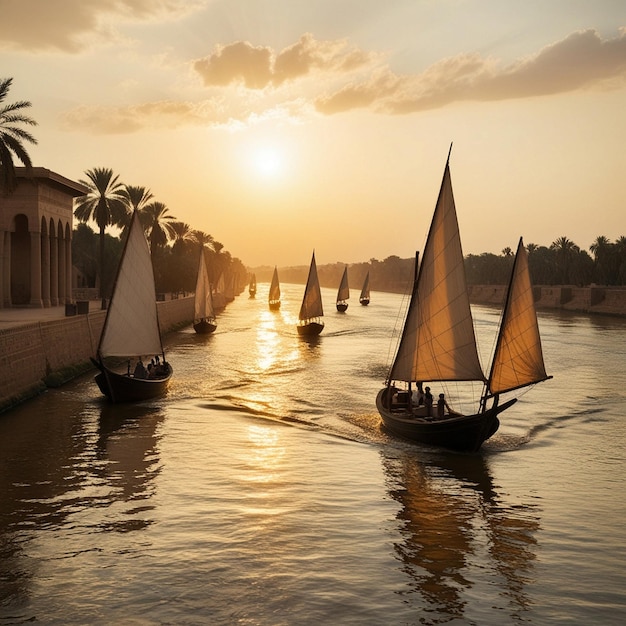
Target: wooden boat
<point>204,321</point>
<point>310,321</point>
<point>252,287</point>
<point>364,298</point>
<point>438,343</point>
<point>131,328</point>
<point>274,293</point>
<point>343,294</point>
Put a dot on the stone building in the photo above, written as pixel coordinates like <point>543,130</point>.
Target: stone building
<point>36,223</point>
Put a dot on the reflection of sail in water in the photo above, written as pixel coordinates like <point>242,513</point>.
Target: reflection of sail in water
<point>453,524</point>
<point>127,442</point>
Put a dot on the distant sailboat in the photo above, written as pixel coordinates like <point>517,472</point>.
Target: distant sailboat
<point>310,321</point>
<point>219,299</point>
<point>274,293</point>
<point>204,315</point>
<point>364,298</point>
<point>343,294</point>
<point>438,343</point>
<point>252,288</point>
<point>131,327</point>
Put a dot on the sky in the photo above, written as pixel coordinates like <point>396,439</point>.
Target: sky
<point>286,126</point>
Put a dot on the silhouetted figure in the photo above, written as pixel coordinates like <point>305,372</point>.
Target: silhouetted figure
<point>428,401</point>
<point>442,405</point>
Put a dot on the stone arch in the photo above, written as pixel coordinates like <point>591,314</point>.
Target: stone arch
<point>45,262</point>
<point>20,290</point>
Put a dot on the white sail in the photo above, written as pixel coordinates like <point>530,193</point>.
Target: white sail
<point>344,290</point>
<point>131,327</point>
<point>365,291</point>
<point>274,293</point>
<point>203,302</point>
<point>438,342</point>
<point>518,358</point>
<point>312,302</point>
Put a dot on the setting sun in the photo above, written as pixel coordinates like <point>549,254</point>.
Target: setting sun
<point>267,162</point>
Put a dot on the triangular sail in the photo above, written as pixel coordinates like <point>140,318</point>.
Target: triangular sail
<point>344,291</point>
<point>438,342</point>
<point>365,291</point>
<point>274,293</point>
<point>131,327</point>
<point>203,303</point>
<point>221,284</point>
<point>312,301</point>
<point>518,358</point>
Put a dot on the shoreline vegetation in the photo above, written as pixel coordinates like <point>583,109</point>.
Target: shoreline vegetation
<point>394,275</point>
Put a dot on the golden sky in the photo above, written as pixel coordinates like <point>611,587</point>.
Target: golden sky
<point>283,126</point>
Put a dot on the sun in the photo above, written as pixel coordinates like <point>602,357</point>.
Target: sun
<point>268,162</point>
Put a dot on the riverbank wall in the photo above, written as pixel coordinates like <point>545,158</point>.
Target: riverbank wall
<point>39,355</point>
<point>590,300</point>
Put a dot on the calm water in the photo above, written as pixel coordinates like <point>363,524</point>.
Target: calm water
<point>262,491</point>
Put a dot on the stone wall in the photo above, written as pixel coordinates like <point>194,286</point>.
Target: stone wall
<point>46,354</point>
<point>602,300</point>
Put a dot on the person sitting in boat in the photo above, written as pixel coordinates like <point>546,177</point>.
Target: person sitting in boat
<point>140,370</point>
<point>442,405</point>
<point>428,401</point>
<point>418,396</point>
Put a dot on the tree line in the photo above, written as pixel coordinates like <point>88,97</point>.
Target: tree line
<point>561,263</point>
<point>175,247</point>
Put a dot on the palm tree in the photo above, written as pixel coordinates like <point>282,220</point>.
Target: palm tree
<point>182,234</point>
<point>203,239</point>
<point>105,204</point>
<point>158,225</point>
<point>565,250</point>
<point>620,246</point>
<point>136,198</point>
<point>601,249</point>
<point>12,137</point>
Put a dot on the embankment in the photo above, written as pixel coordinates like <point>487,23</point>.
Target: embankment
<point>591,300</point>
<point>47,354</point>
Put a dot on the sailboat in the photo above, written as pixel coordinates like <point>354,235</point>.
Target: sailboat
<point>131,327</point>
<point>219,299</point>
<point>310,321</point>
<point>343,294</point>
<point>252,287</point>
<point>438,344</point>
<point>364,298</point>
<point>204,321</point>
<point>274,293</point>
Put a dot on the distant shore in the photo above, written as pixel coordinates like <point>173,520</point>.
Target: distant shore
<point>593,300</point>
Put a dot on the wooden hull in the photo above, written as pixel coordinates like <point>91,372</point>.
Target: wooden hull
<point>364,301</point>
<point>465,433</point>
<point>342,307</point>
<point>204,327</point>
<point>310,330</point>
<point>274,306</point>
<point>123,388</point>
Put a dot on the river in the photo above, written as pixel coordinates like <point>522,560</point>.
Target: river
<point>262,491</point>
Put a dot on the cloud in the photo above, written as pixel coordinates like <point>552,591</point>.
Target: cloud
<point>237,62</point>
<point>249,84</point>
<point>129,119</point>
<point>260,67</point>
<point>580,61</point>
<point>71,26</point>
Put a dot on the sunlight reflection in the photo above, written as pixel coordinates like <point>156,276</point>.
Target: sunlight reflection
<point>265,453</point>
<point>267,341</point>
